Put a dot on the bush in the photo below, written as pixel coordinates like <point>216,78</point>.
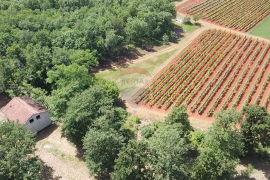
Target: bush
<point>186,20</point>
<point>165,39</point>
<point>147,131</point>
<point>137,120</point>
<point>17,153</point>
<point>247,172</point>
<point>197,138</point>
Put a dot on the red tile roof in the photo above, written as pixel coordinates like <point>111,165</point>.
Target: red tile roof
<point>22,109</point>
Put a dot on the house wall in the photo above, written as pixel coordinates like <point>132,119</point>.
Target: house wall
<point>39,124</point>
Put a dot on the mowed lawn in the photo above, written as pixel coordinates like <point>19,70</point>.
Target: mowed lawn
<point>263,29</point>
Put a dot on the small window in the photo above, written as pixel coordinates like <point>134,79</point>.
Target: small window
<point>38,117</point>
<point>31,120</point>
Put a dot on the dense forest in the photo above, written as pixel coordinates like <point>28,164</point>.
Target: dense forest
<point>43,37</point>
<point>47,49</point>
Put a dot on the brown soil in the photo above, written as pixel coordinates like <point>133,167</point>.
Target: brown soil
<point>249,15</point>
<point>214,95</point>
<point>61,159</point>
<point>187,5</point>
<point>260,85</point>
<point>253,80</point>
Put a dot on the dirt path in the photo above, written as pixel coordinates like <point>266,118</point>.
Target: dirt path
<point>183,43</point>
<point>188,39</point>
<point>208,25</point>
<point>59,156</point>
<point>152,115</point>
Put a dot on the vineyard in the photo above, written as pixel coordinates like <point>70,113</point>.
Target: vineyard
<point>240,15</point>
<point>218,70</point>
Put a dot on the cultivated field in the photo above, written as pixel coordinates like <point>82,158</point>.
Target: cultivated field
<point>240,15</point>
<point>218,70</point>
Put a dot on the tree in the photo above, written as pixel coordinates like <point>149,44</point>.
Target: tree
<point>221,148</point>
<point>91,108</point>
<point>102,148</point>
<point>58,101</point>
<point>171,144</point>
<point>196,17</point>
<point>186,20</point>
<point>36,37</point>
<point>255,127</point>
<point>134,162</point>
<point>165,39</point>
<point>66,81</point>
<point>85,58</point>
<point>17,147</point>
<point>179,115</point>
<point>62,75</point>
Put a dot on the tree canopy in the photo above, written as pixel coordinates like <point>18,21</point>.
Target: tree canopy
<point>102,148</point>
<point>256,127</point>
<point>221,148</point>
<point>41,36</point>
<point>93,107</point>
<point>17,147</point>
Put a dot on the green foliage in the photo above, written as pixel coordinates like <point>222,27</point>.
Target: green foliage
<point>131,127</point>
<point>179,115</point>
<point>196,17</point>
<point>133,162</point>
<point>111,87</point>
<point>228,118</point>
<point>84,58</point>
<point>17,148</point>
<point>58,101</point>
<point>102,148</point>
<point>67,81</point>
<point>91,108</point>
<point>221,148</point>
<point>255,127</point>
<point>186,20</point>
<point>262,29</point>
<point>62,75</point>
<point>172,146</point>
<point>137,120</point>
<point>165,39</point>
<point>163,155</point>
<point>197,138</point>
<point>36,36</point>
<point>147,131</point>
<point>247,172</point>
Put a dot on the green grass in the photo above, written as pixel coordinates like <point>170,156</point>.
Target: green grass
<point>263,29</point>
<point>187,27</point>
<point>152,65</point>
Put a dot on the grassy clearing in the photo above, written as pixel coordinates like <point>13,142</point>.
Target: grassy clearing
<point>130,84</point>
<point>189,27</point>
<point>263,29</point>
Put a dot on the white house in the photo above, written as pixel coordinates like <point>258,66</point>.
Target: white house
<point>30,114</point>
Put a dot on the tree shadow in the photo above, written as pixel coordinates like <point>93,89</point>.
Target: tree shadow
<point>119,102</point>
<point>188,23</point>
<point>4,100</point>
<point>243,177</point>
<point>258,163</point>
<point>44,133</point>
<point>80,153</point>
<point>122,61</point>
<point>198,24</point>
<point>47,172</point>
